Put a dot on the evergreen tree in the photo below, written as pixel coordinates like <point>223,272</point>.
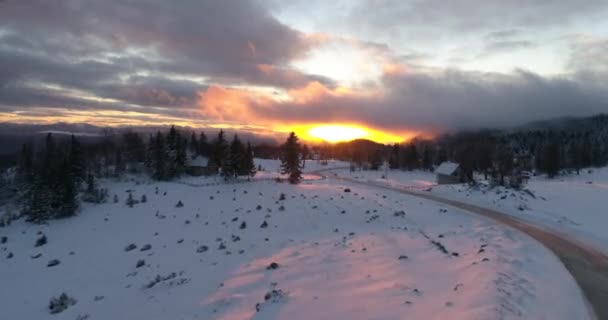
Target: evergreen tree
<point>134,147</point>
<point>442,155</point>
<point>305,155</point>
<point>485,156</point>
<point>248,166</point>
<point>504,161</point>
<point>173,140</point>
<point>234,165</point>
<point>25,167</point>
<point>203,145</point>
<point>551,156</point>
<point>68,201</point>
<point>219,150</point>
<point>180,159</point>
<point>37,206</point>
<point>193,145</point>
<point>76,161</point>
<point>575,155</point>
<point>427,158</point>
<point>158,157</point>
<point>290,159</point>
<point>411,157</point>
<point>120,165</point>
<point>375,160</point>
<point>393,160</point>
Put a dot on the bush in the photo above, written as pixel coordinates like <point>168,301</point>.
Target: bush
<point>41,241</point>
<point>61,303</point>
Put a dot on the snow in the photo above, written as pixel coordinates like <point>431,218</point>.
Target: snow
<point>338,255</point>
<point>447,168</point>
<point>574,205</point>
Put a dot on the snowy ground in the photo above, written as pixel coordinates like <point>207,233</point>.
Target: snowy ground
<point>364,254</point>
<point>573,204</point>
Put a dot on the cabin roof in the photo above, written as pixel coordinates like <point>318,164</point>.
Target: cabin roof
<point>447,168</point>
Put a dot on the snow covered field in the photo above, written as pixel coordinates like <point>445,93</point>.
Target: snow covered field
<point>574,204</point>
<point>363,254</point>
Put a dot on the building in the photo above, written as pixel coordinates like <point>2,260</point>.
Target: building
<point>199,166</point>
<point>448,173</point>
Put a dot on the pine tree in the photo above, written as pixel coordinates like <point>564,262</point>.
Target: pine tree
<point>193,145</point>
<point>120,165</point>
<point>180,158</point>
<point>393,160</point>
<point>134,147</point>
<point>158,157</point>
<point>575,155</point>
<point>290,159</point>
<point>411,157</point>
<point>130,201</point>
<point>68,202</point>
<point>76,160</point>
<point>219,150</point>
<point>427,158</point>
<point>248,166</point>
<point>234,163</point>
<point>25,167</point>
<point>203,145</point>
<point>551,156</point>
<point>305,155</point>
<point>375,160</point>
<point>504,161</point>
<point>173,141</point>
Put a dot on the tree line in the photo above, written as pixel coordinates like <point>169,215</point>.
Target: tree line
<point>53,178</point>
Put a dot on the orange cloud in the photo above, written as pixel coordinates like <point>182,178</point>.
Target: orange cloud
<point>394,69</point>
<point>291,110</point>
<point>265,68</point>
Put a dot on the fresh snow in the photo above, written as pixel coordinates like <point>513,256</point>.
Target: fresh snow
<point>574,205</point>
<point>363,254</point>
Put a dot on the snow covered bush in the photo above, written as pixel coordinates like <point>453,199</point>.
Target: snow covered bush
<point>59,304</point>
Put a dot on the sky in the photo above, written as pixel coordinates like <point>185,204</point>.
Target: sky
<point>392,69</point>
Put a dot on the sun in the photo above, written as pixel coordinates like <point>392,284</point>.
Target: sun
<point>337,133</point>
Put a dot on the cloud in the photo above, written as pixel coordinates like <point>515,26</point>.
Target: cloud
<point>504,46</point>
<point>503,34</point>
<point>446,100</point>
<point>232,62</point>
<point>103,47</point>
<point>471,15</point>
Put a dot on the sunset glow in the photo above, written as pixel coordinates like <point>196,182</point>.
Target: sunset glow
<point>337,133</point>
<point>334,133</point>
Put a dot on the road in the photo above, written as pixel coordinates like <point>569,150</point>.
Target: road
<point>588,266</point>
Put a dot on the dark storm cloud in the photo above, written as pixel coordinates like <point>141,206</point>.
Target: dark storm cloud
<point>448,100</point>
<point>95,45</point>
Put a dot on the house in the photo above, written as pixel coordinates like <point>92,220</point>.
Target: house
<point>448,173</point>
<point>197,165</point>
